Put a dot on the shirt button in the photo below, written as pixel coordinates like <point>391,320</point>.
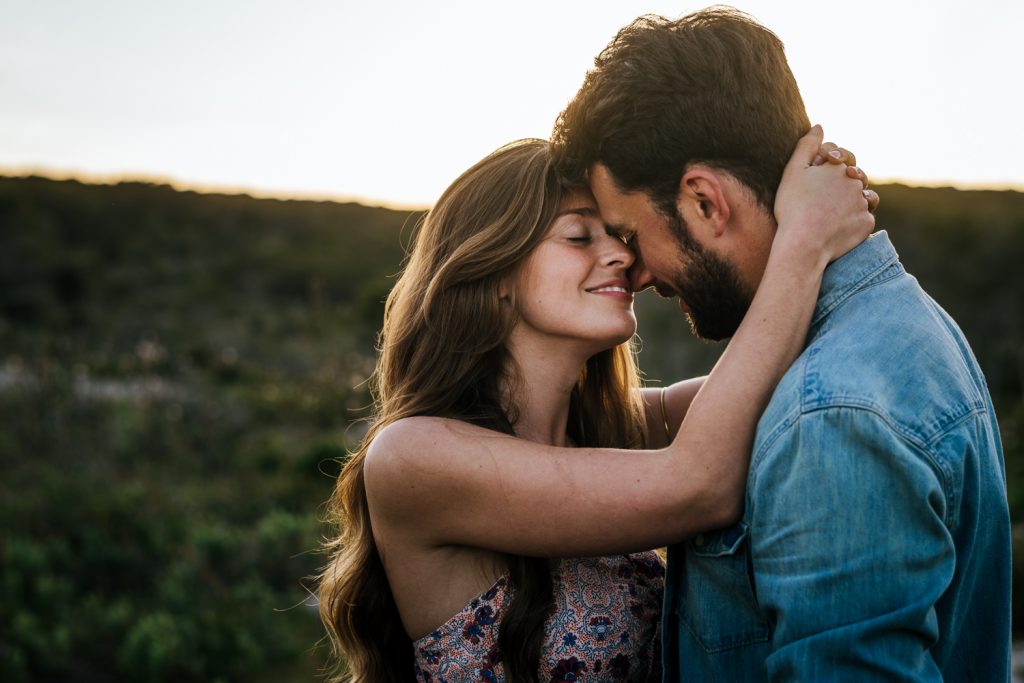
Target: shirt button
<point>699,541</point>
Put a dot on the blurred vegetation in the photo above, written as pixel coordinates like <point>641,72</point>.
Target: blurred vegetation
<point>180,374</point>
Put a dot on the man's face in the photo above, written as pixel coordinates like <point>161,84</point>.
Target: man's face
<point>672,260</point>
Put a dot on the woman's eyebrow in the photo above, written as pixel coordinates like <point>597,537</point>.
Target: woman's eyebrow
<point>585,211</point>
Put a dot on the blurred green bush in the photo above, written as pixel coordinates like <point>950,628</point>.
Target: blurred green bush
<point>181,374</point>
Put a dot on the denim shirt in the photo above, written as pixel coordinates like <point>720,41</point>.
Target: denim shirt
<point>875,542</point>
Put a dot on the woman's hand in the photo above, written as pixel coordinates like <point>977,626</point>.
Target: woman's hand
<point>830,152</point>
<point>822,211</point>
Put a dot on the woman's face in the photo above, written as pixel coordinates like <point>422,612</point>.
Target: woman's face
<point>574,284</point>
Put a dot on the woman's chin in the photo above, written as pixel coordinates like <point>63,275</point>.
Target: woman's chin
<point>618,337</point>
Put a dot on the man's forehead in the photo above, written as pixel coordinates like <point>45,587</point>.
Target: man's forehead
<point>604,188</point>
<point>621,211</point>
<point>601,178</point>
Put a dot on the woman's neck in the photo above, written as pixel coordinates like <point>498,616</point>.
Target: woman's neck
<point>543,387</point>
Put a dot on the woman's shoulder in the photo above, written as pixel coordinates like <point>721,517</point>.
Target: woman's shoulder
<point>399,471</point>
<point>415,436</point>
<point>424,434</point>
<point>411,457</point>
<point>401,444</point>
<point>397,435</point>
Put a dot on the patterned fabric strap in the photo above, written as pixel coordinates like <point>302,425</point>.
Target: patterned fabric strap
<point>604,626</point>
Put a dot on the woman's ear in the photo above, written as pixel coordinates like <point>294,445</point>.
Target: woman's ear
<point>702,199</point>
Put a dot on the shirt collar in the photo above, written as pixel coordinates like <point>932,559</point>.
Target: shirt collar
<point>853,271</point>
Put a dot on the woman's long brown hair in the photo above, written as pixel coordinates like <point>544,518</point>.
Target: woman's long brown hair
<point>442,353</point>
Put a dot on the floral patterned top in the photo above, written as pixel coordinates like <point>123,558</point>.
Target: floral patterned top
<point>604,627</point>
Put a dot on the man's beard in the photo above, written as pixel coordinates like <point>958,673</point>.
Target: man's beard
<point>709,285</point>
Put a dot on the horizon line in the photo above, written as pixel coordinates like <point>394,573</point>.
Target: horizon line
<point>114,178</point>
<point>281,194</point>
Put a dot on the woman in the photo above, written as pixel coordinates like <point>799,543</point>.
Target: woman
<point>513,318</point>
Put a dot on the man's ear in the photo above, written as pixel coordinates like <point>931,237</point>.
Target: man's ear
<point>702,199</point>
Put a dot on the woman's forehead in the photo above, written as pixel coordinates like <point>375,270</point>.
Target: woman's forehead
<point>577,198</point>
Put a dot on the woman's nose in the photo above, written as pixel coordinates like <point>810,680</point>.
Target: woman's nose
<point>618,253</point>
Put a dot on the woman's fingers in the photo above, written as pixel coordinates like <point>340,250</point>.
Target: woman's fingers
<point>833,153</point>
<point>805,147</point>
<point>873,199</point>
<point>841,155</point>
<point>858,173</point>
<point>823,153</point>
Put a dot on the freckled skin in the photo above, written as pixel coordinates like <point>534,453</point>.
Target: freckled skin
<point>574,285</point>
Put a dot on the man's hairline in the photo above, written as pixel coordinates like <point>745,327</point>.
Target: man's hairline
<point>646,191</point>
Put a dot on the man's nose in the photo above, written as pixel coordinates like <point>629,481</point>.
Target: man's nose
<point>639,277</point>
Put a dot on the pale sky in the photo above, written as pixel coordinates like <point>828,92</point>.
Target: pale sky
<point>388,101</point>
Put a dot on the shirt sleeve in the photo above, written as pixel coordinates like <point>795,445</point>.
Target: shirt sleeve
<point>850,549</point>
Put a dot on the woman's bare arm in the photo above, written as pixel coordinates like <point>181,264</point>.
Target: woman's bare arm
<point>665,408</point>
<point>447,483</point>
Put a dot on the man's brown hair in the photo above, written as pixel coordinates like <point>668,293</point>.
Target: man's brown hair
<point>712,87</point>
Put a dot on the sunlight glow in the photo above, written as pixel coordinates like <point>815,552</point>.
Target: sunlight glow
<point>390,101</point>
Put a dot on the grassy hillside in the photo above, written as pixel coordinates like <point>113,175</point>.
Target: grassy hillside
<point>179,374</point>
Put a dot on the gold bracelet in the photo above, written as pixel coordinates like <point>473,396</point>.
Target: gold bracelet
<point>664,415</point>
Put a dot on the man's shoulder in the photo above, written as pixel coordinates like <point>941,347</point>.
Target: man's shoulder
<point>891,351</point>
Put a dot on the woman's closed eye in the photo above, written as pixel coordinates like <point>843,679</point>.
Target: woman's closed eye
<point>580,239</point>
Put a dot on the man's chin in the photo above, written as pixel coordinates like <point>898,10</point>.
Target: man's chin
<point>710,328</point>
<point>699,327</point>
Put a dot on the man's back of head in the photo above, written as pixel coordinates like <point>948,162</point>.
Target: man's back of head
<point>711,87</point>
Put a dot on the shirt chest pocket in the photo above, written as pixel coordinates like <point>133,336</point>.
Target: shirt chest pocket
<point>716,601</point>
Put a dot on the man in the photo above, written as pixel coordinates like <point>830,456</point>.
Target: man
<point>875,543</point>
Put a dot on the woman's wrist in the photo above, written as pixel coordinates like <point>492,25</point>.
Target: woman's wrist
<point>800,248</point>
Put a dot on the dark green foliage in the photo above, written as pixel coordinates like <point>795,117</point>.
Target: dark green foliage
<point>181,374</point>
<point>179,377</point>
